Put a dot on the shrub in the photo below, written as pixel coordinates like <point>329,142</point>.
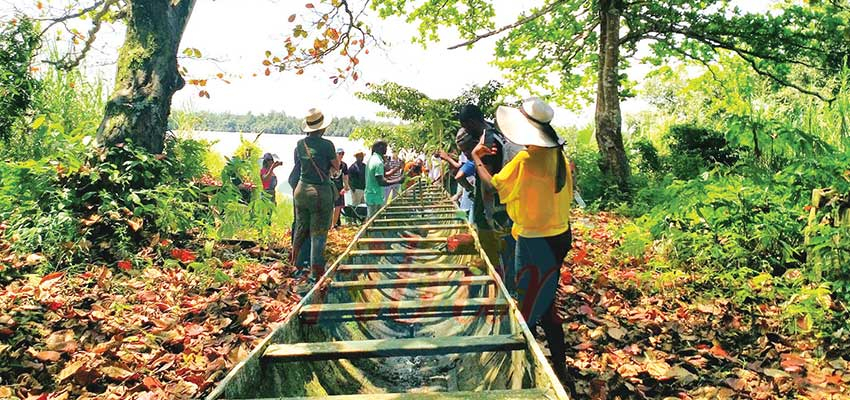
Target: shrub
<point>19,43</point>
<point>694,149</point>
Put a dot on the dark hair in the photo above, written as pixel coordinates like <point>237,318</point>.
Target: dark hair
<point>377,145</point>
<point>470,112</point>
<point>549,131</point>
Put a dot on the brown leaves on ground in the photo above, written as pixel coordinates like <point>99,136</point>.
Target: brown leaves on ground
<point>633,333</point>
<point>156,333</point>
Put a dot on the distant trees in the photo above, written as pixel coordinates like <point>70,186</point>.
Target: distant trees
<point>273,122</point>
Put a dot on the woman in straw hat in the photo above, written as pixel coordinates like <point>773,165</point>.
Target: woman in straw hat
<point>536,186</point>
<point>315,193</point>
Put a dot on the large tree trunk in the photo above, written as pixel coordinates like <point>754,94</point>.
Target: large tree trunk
<point>609,120</point>
<point>147,75</point>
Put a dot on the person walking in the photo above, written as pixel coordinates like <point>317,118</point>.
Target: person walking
<point>357,179</point>
<point>315,193</point>
<point>341,183</point>
<point>377,178</point>
<point>537,188</point>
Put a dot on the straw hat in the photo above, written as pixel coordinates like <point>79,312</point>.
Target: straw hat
<point>528,125</point>
<point>315,121</point>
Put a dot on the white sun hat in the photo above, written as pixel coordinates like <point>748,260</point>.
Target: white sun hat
<point>315,121</point>
<point>528,125</point>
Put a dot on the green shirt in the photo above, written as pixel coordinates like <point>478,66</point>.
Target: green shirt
<point>374,190</point>
<point>322,153</point>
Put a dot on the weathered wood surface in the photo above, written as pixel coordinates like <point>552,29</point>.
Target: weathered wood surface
<point>336,338</point>
<point>401,307</point>
<point>392,348</point>
<point>402,240</point>
<point>401,252</point>
<point>358,268</point>
<point>414,283</point>
<point>418,219</point>
<point>520,394</point>
<point>416,227</point>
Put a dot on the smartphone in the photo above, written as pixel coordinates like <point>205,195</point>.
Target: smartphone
<point>489,138</point>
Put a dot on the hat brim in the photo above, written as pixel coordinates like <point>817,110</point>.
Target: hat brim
<point>518,129</point>
<point>325,123</point>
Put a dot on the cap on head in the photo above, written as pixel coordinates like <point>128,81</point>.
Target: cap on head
<point>268,157</point>
<point>340,150</point>
<point>470,112</point>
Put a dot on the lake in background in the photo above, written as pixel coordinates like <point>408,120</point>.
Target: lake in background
<point>226,143</point>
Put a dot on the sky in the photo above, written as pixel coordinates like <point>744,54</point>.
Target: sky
<point>233,36</point>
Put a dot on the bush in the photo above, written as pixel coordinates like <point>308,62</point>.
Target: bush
<point>694,149</point>
<point>19,43</point>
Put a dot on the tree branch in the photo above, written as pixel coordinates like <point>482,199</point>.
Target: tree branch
<point>522,21</point>
<point>66,17</point>
<point>69,62</point>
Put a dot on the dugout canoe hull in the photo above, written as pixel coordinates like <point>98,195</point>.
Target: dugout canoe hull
<point>396,317</point>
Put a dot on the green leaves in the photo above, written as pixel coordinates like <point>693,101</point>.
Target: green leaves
<point>432,122</point>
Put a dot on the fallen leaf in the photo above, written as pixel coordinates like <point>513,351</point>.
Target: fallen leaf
<point>62,341</point>
<point>116,373</point>
<point>48,355</point>
<point>616,333</point>
<point>70,370</point>
<point>792,362</point>
<point>776,373</point>
<point>658,369</point>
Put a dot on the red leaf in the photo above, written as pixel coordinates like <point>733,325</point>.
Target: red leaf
<point>309,5</point>
<point>49,280</point>
<point>151,383</point>
<point>292,18</point>
<point>268,72</point>
<point>125,265</point>
<point>193,330</point>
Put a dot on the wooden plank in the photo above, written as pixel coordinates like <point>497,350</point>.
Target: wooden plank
<point>403,252</point>
<point>422,207</point>
<point>426,212</point>
<point>414,283</point>
<point>314,311</point>
<point>417,227</point>
<point>402,240</point>
<point>521,394</point>
<point>379,348</point>
<point>401,268</point>
<point>418,219</point>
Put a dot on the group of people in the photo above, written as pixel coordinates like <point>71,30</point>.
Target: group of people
<point>320,180</point>
<point>512,176</point>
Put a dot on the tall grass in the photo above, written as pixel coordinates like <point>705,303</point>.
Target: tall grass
<point>66,113</point>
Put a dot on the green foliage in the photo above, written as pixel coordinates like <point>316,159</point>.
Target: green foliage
<point>18,45</point>
<point>432,123</point>
<point>104,209</point>
<point>694,150</point>
<point>273,123</point>
<point>241,212</point>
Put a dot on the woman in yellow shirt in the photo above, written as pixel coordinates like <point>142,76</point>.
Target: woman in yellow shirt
<point>537,187</point>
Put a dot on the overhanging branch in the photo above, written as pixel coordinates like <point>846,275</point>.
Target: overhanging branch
<point>522,21</point>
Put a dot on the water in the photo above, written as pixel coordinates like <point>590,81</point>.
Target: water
<point>226,143</point>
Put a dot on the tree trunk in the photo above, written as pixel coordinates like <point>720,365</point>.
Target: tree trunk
<point>609,136</point>
<point>147,76</point>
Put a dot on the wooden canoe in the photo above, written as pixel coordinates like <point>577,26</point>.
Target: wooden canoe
<point>399,317</point>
